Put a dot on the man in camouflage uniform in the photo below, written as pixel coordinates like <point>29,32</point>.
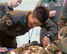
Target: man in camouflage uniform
<point>17,23</point>
<point>62,35</point>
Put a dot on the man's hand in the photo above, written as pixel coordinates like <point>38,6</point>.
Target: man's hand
<point>46,41</point>
<point>52,13</point>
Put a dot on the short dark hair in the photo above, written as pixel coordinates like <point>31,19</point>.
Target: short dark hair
<point>33,43</point>
<point>41,13</point>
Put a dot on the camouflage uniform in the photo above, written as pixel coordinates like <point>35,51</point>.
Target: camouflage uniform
<point>18,25</point>
<point>63,40</point>
<point>29,50</point>
<point>52,49</point>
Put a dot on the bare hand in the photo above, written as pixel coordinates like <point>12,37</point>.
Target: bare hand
<point>52,13</point>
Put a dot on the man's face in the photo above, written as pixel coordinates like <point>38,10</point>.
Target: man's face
<point>15,3</point>
<point>33,22</point>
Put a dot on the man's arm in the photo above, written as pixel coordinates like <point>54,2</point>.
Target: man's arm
<point>4,27</point>
<point>49,31</point>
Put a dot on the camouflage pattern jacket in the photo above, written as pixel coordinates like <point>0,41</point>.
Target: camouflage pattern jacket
<point>12,25</point>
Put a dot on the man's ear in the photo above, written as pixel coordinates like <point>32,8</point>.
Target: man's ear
<point>31,13</point>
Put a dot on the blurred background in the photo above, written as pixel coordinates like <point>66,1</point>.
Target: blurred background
<point>26,4</point>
